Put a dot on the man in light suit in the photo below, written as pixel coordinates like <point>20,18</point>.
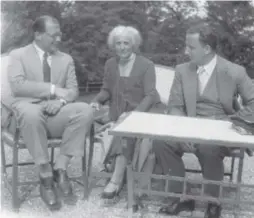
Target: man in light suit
<point>44,88</point>
<point>204,87</point>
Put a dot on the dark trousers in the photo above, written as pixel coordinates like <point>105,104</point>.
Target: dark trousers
<point>210,158</point>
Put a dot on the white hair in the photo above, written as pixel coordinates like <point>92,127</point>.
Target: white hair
<point>130,31</point>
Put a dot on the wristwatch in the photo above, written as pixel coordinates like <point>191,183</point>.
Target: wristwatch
<point>64,102</point>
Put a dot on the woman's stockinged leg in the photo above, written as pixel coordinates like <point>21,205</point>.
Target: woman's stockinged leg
<point>122,159</point>
<point>118,174</point>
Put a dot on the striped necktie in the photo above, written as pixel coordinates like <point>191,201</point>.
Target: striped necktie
<point>46,68</point>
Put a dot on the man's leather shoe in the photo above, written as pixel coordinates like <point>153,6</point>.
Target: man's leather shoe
<point>63,182</point>
<point>48,193</point>
<point>178,206</point>
<point>213,211</point>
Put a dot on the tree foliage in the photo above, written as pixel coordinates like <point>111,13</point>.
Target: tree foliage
<point>235,24</point>
<point>17,18</point>
<point>86,24</point>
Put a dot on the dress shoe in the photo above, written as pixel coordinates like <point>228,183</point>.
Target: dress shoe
<point>178,206</point>
<point>63,182</point>
<point>114,193</point>
<point>48,193</point>
<point>213,211</point>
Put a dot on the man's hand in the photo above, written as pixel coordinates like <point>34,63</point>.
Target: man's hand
<point>61,92</point>
<point>52,107</point>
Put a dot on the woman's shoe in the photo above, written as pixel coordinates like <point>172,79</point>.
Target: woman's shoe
<point>113,194</point>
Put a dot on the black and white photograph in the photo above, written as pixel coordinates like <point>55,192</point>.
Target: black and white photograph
<point>135,109</point>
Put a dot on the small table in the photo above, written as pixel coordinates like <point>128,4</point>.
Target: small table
<point>176,128</point>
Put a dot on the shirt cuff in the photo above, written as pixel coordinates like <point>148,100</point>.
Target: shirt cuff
<point>52,90</point>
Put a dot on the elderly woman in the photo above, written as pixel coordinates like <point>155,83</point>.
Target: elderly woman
<point>129,85</point>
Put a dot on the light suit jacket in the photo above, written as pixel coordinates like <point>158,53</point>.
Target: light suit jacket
<point>232,79</point>
<point>25,75</point>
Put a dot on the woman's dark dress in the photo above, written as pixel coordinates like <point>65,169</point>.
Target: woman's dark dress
<point>134,93</point>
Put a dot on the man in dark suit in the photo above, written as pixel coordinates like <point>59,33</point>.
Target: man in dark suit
<point>44,88</point>
<point>204,87</point>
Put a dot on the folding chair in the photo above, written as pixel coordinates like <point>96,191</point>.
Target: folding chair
<point>16,143</point>
<point>100,126</point>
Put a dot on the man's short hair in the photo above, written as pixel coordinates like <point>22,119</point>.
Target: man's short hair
<point>39,24</point>
<point>206,33</point>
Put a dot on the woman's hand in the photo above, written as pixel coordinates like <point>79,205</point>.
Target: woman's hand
<point>95,105</point>
<point>110,125</point>
<point>123,115</point>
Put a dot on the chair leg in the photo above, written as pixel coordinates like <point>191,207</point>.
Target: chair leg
<point>3,171</point>
<point>84,160</point>
<point>3,160</point>
<point>91,150</point>
<point>84,173</point>
<point>90,156</point>
<point>240,167</point>
<point>52,156</point>
<point>232,169</point>
<point>15,197</point>
<point>84,176</point>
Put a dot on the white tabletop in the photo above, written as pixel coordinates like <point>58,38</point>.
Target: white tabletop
<point>196,130</point>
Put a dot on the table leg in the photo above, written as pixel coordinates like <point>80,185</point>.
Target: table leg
<point>239,181</point>
<point>129,147</point>
<point>240,169</point>
<point>130,189</point>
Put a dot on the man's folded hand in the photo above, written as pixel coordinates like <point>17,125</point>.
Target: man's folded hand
<point>52,107</point>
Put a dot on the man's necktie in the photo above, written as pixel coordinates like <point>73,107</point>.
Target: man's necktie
<point>202,79</point>
<point>46,68</point>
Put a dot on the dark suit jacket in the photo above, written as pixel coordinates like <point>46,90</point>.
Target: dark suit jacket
<point>141,93</point>
<point>232,79</point>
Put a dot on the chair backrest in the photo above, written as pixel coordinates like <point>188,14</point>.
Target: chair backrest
<point>6,93</point>
<point>164,80</point>
<point>5,85</point>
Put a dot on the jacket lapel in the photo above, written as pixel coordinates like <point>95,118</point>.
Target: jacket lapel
<point>225,85</point>
<point>37,68</point>
<point>135,67</point>
<point>35,63</point>
<point>190,84</point>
